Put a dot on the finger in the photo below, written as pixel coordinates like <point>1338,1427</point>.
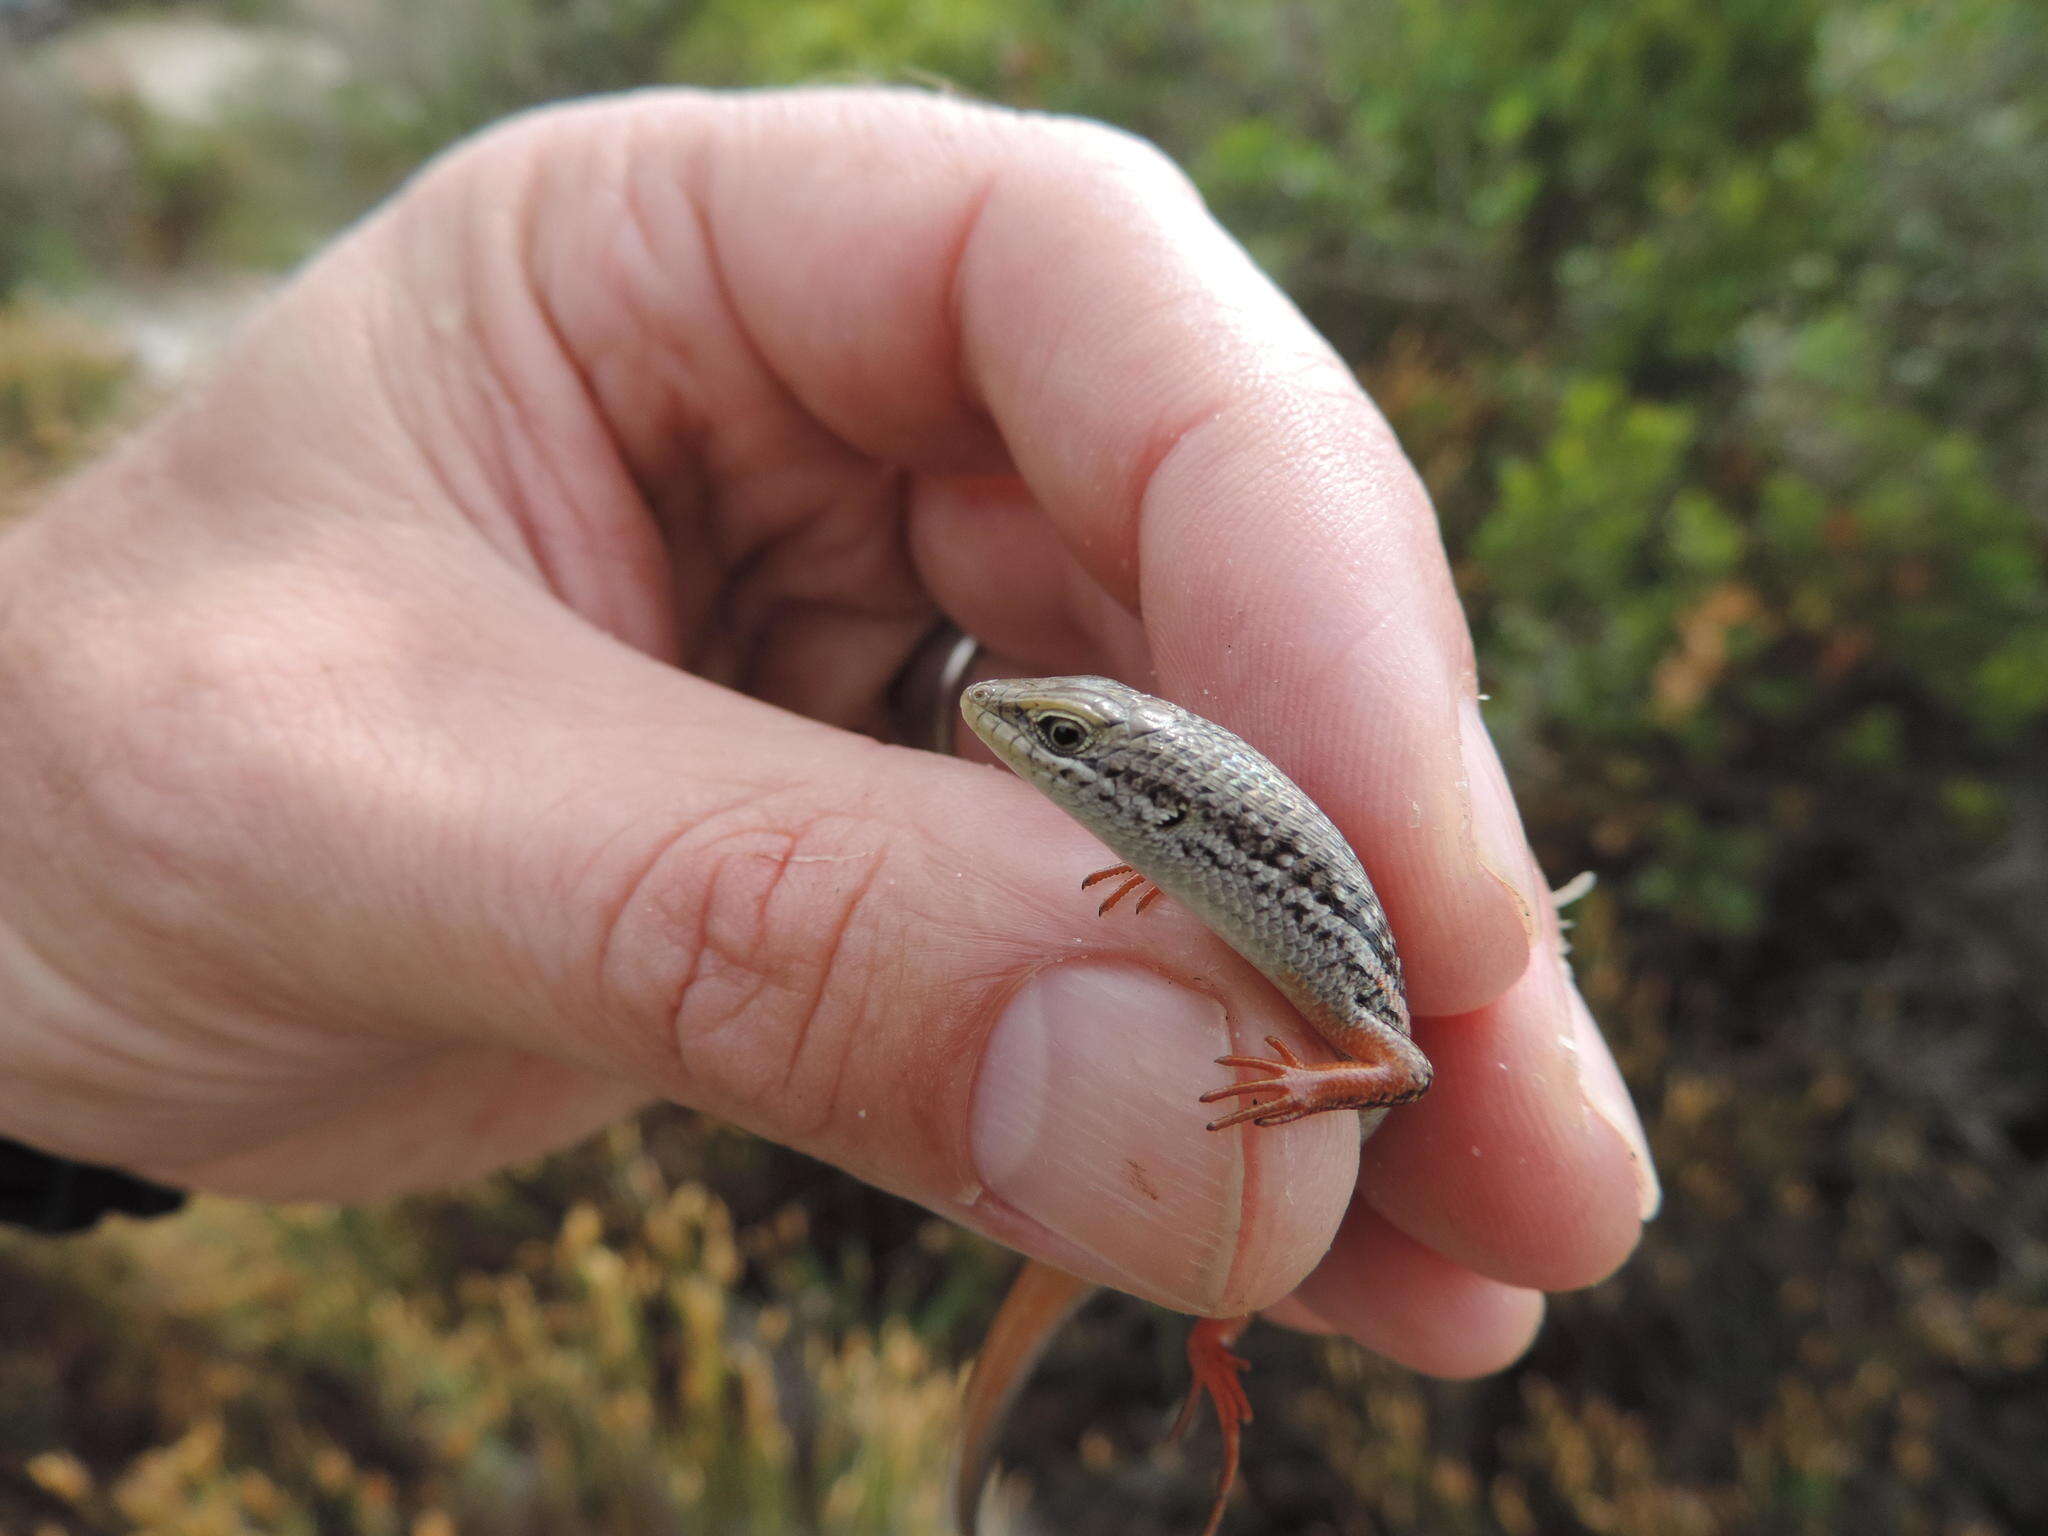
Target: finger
<point>1525,1162</point>
<point>1033,294</point>
<point>1414,1306</point>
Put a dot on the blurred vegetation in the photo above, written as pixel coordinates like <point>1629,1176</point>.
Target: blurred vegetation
<point>591,1348</point>
<point>1717,332</point>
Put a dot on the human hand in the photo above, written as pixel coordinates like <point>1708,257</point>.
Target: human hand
<point>442,731</point>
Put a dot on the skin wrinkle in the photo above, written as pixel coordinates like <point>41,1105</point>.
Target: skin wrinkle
<point>533,432</point>
<point>682,494</point>
<point>371,339</point>
<point>788,380</point>
<point>393,382</point>
<point>37,953</point>
<point>474,411</point>
<point>614,942</point>
<point>763,630</point>
<point>487,401</point>
<point>807,1015</point>
<point>834,939</point>
<point>316,1103</point>
<point>698,515</point>
<point>685,423</point>
<point>584,525</point>
<point>1159,451</point>
<point>734,880</point>
<point>458,396</point>
<point>950,289</point>
<point>698,194</point>
<point>716,961</point>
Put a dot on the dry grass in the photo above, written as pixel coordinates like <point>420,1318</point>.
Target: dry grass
<point>61,381</point>
<point>239,1369</point>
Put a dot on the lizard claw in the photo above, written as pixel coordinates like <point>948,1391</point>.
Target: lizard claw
<point>1134,882</point>
<point>1258,1063</point>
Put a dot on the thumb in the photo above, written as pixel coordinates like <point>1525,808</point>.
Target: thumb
<point>877,956</point>
<point>376,846</point>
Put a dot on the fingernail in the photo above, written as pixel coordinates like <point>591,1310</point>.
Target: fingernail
<point>1607,1096</point>
<point>1496,825</point>
<point>1085,1066</point>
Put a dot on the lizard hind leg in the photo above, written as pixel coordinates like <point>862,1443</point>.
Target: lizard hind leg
<point>1216,1371</point>
<point>1293,1089</point>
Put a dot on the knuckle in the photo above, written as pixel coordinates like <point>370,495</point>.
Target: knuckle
<point>513,144</point>
<point>770,943</point>
<point>1114,158</point>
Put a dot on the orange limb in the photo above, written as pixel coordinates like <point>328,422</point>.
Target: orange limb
<point>1216,1371</point>
<point>1299,1089</point>
<point>1123,890</point>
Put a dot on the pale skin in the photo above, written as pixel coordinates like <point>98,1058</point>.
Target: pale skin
<point>442,731</point>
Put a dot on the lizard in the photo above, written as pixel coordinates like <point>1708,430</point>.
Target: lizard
<point>1196,813</point>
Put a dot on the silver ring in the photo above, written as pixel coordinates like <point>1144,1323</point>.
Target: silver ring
<point>925,697</point>
<point>960,659</point>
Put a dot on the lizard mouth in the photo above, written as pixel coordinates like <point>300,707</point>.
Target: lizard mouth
<point>981,705</point>
<point>979,709</point>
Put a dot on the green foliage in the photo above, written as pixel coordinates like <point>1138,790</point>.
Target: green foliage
<point>423,77</point>
<point>1757,428</point>
<point>59,199</point>
<point>965,44</point>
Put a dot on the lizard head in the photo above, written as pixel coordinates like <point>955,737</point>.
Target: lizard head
<point>1051,727</point>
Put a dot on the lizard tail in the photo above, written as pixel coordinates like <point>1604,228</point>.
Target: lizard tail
<point>1041,1299</point>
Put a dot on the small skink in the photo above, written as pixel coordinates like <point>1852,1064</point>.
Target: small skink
<point>1196,814</point>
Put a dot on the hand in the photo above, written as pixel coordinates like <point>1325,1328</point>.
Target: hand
<point>443,731</point>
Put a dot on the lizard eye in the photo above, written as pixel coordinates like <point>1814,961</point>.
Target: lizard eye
<point>1063,733</point>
